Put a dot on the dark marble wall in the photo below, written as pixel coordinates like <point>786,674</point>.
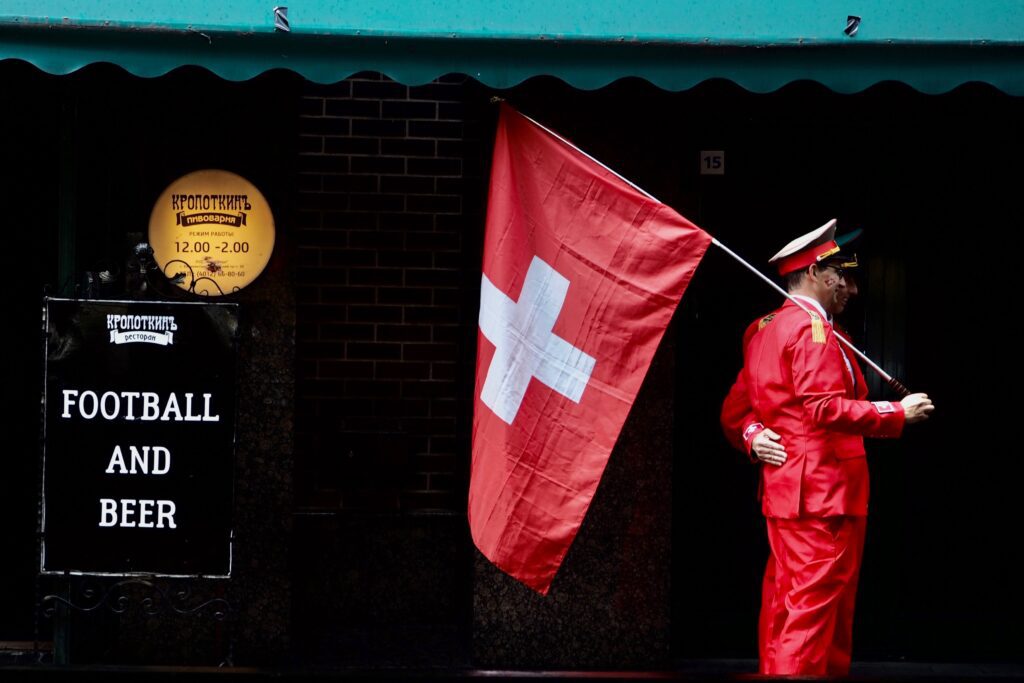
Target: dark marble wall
<point>381,590</point>
<point>261,584</point>
<point>609,606</point>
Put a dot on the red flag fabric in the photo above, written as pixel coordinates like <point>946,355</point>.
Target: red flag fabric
<point>581,275</point>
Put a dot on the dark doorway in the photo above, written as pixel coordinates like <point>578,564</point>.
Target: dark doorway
<point>28,192</point>
<point>932,180</point>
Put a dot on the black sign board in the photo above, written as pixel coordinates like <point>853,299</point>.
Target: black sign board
<point>139,435</point>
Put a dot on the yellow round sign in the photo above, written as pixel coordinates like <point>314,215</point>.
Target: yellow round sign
<point>212,232</point>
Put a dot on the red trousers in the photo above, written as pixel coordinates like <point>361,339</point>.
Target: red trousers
<point>808,595</point>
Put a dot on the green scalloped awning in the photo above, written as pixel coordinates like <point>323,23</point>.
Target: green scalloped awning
<point>932,45</point>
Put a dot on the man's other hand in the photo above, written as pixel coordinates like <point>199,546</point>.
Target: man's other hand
<point>768,448</point>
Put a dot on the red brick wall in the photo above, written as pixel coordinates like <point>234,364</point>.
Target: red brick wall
<point>387,241</point>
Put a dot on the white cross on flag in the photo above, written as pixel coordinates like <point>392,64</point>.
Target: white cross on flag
<point>581,275</point>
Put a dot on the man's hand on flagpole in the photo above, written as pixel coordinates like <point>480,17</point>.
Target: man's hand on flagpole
<point>917,408</point>
<point>768,448</point>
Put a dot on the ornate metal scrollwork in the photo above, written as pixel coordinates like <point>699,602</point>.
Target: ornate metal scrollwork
<point>151,598</point>
<point>142,278</point>
<point>179,277</point>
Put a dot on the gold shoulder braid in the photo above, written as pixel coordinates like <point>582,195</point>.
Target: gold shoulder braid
<point>817,328</point>
<point>764,321</point>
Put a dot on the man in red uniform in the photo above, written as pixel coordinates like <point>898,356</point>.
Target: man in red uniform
<point>763,445</point>
<point>801,383</point>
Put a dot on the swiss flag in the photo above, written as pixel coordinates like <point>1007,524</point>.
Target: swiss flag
<point>581,275</point>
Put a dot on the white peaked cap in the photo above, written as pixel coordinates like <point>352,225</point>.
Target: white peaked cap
<point>807,249</point>
<point>825,233</point>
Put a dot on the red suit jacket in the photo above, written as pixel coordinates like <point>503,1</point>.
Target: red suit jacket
<point>798,384</point>
<point>739,424</point>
